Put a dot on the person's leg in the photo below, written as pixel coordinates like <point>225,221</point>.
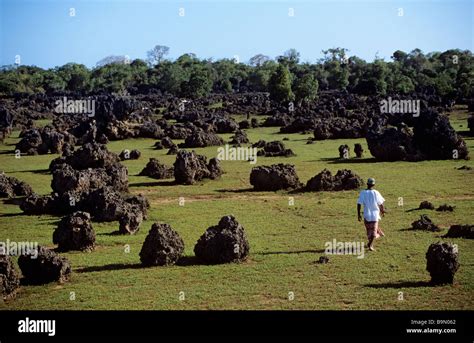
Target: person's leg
<point>379,231</point>
<point>371,234</point>
<point>370,245</point>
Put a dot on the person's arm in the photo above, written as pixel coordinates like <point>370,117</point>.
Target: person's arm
<point>382,209</point>
<point>359,217</point>
<point>380,202</point>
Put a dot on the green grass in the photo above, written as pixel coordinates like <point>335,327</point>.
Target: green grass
<point>285,240</point>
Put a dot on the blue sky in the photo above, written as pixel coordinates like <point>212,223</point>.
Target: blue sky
<point>43,33</point>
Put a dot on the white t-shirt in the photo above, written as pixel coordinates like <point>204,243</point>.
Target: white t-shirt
<point>371,199</point>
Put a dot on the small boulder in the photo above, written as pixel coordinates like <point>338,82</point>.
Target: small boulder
<point>10,186</point>
<point>190,167</point>
<point>344,179</point>
<point>75,232</point>
<point>323,260</point>
<point>275,148</point>
<point>173,150</point>
<point>445,208</point>
<point>426,205</point>
<point>461,231</point>
<point>130,154</point>
<point>344,151</point>
<point>201,139</point>
<point>46,267</point>
<point>442,262</point>
<point>223,243</point>
<point>131,220</point>
<point>358,150</point>
<point>157,170</point>
<point>274,177</point>
<point>9,278</point>
<point>163,246</point>
<point>425,224</point>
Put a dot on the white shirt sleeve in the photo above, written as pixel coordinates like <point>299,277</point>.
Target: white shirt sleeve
<point>380,198</point>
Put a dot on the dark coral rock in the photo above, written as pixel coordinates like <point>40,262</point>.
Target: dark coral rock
<point>157,170</point>
<point>442,262</point>
<point>224,243</point>
<point>46,267</point>
<point>274,177</point>
<point>163,246</point>
<point>75,232</point>
<point>425,224</point>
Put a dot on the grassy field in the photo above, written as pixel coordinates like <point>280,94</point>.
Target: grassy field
<point>285,239</point>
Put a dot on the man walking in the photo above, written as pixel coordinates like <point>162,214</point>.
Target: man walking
<point>372,201</point>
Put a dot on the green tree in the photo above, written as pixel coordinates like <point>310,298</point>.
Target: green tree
<point>76,76</point>
<point>199,84</point>
<point>280,85</point>
<point>306,88</point>
<point>335,62</point>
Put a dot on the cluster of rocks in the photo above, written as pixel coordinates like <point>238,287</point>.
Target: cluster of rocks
<point>44,140</point>
<point>118,118</point>
<point>206,120</point>
<point>275,148</point>
<point>75,232</point>
<point>274,177</point>
<point>130,155</point>
<point>205,109</point>
<point>445,208</point>
<point>425,224</point>
<point>460,231</point>
<point>201,139</point>
<point>10,187</point>
<point>245,124</point>
<point>91,180</point>
<point>426,205</point>
<point>343,180</point>
<point>442,262</point>
<point>345,150</point>
<point>157,170</point>
<point>223,243</point>
<point>430,137</point>
<point>190,167</point>
<point>283,176</point>
<point>44,266</point>
<point>335,114</point>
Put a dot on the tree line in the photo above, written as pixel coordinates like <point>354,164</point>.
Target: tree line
<point>449,74</point>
